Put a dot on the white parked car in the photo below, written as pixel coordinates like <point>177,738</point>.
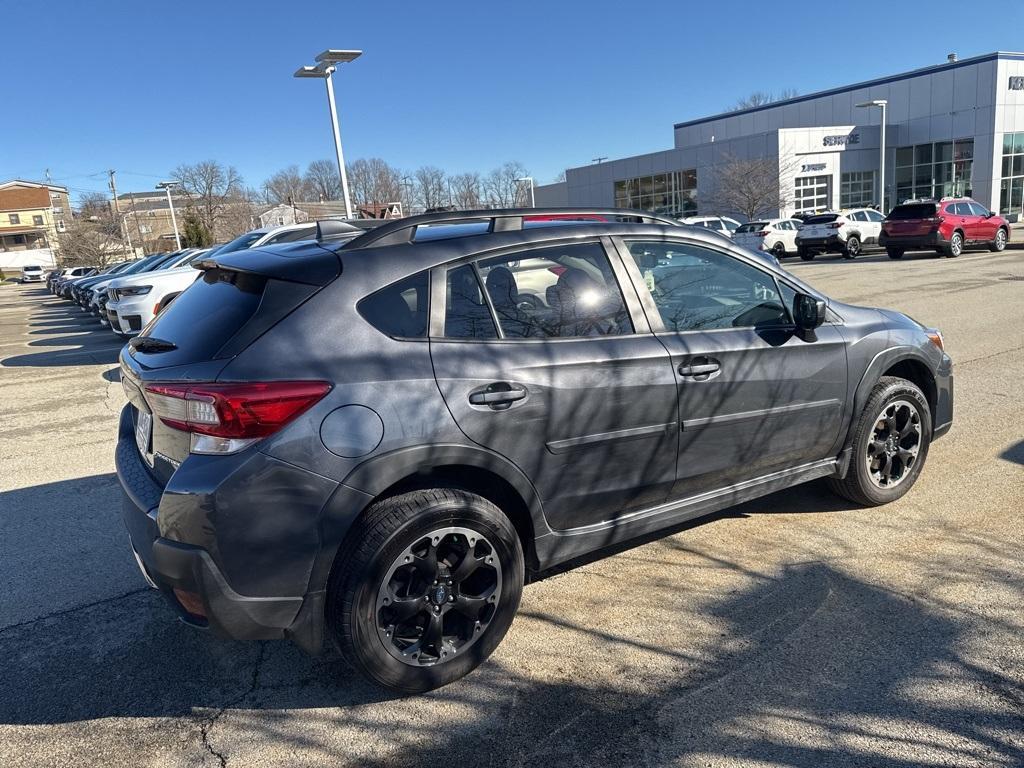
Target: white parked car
<point>32,274</point>
<point>134,300</point>
<point>846,232</point>
<point>722,224</point>
<point>775,235</point>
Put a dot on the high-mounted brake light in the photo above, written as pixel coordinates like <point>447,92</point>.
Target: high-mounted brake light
<point>224,418</point>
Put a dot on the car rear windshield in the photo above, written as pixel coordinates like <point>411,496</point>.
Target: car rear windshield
<point>754,226</point>
<point>204,317</point>
<point>913,211</point>
<point>823,218</point>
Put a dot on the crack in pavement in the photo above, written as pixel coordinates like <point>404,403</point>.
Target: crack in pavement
<point>206,724</point>
<point>65,611</point>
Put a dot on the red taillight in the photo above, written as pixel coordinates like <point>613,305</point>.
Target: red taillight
<point>238,411</point>
<point>763,233</point>
<point>835,225</point>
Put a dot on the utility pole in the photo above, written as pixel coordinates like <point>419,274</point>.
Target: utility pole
<point>113,190</point>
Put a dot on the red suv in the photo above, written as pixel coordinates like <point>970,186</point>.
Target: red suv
<point>946,226</point>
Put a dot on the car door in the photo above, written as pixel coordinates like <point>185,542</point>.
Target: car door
<point>963,219</point>
<point>542,358</point>
<point>985,224</point>
<point>754,398</point>
<point>873,226</point>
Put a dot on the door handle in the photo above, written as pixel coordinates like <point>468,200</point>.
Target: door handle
<point>700,368</point>
<point>498,394</point>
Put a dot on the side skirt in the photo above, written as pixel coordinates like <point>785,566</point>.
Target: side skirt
<point>559,546</point>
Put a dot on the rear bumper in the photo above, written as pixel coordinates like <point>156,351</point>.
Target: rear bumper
<point>912,242</point>
<point>830,243</point>
<point>230,541</point>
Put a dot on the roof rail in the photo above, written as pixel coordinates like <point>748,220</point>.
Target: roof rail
<point>399,231</point>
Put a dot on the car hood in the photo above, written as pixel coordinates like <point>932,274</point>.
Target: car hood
<point>152,278</point>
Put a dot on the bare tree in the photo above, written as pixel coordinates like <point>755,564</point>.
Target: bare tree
<point>322,180</point>
<point>752,188</point>
<point>503,188</point>
<point>287,185</point>
<point>432,188</point>
<point>208,186</point>
<point>559,178</point>
<point>760,98</point>
<point>467,191</point>
<point>93,205</point>
<point>373,183</point>
<point>93,241</point>
<point>239,214</point>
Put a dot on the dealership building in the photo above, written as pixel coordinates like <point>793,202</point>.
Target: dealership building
<point>956,128</point>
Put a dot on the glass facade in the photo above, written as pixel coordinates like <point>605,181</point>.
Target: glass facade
<point>1011,185</point>
<point>812,193</point>
<point>671,193</point>
<point>935,170</point>
<point>857,189</point>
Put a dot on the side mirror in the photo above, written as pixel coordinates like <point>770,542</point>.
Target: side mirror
<point>808,312</point>
<point>990,214</point>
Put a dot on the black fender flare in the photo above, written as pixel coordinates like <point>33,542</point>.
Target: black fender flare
<point>879,364</point>
<point>375,475</point>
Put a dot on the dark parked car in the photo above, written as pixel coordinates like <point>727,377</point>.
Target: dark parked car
<point>947,227</point>
<point>373,443</point>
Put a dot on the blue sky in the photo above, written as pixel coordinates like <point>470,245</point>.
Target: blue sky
<point>141,87</point>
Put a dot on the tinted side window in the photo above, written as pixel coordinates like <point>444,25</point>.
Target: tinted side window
<point>466,314</point>
<point>977,209</point>
<point>698,289</point>
<point>565,291</point>
<point>400,309</point>
<point>875,216</point>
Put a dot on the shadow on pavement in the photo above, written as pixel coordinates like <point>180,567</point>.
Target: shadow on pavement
<point>1014,453</point>
<point>810,668</point>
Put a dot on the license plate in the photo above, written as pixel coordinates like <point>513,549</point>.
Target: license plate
<point>143,434</point>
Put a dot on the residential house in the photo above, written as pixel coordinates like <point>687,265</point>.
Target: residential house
<point>32,215</point>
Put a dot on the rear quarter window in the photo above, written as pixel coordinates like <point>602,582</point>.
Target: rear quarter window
<point>400,309</point>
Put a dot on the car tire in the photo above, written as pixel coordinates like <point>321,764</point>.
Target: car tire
<point>805,254</point>
<point>779,250</point>
<point>388,552</point>
<point>895,253</point>
<point>852,248</point>
<point>999,244</point>
<point>955,246</point>
<point>883,470</point>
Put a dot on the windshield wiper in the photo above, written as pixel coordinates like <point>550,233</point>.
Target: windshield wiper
<point>151,344</point>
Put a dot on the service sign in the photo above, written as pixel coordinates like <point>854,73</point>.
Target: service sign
<point>812,167</point>
<point>1017,83</point>
<point>841,140</point>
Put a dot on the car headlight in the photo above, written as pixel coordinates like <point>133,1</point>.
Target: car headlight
<point>134,290</point>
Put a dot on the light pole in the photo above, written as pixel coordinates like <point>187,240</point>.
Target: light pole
<point>881,151</point>
<point>326,64</point>
<point>533,202</point>
<point>168,186</point>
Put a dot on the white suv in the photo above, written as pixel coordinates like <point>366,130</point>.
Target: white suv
<point>134,300</point>
<point>775,235</point>
<point>846,232</point>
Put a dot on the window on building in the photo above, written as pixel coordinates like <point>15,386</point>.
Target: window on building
<point>671,193</point>
<point>936,170</point>
<point>37,221</point>
<point>1011,185</point>
<point>812,193</point>
<point>856,189</point>
<point>14,218</point>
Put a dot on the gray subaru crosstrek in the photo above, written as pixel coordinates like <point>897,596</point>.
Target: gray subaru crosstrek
<point>372,443</point>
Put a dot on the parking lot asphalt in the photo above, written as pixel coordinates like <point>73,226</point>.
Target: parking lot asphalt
<point>793,630</point>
